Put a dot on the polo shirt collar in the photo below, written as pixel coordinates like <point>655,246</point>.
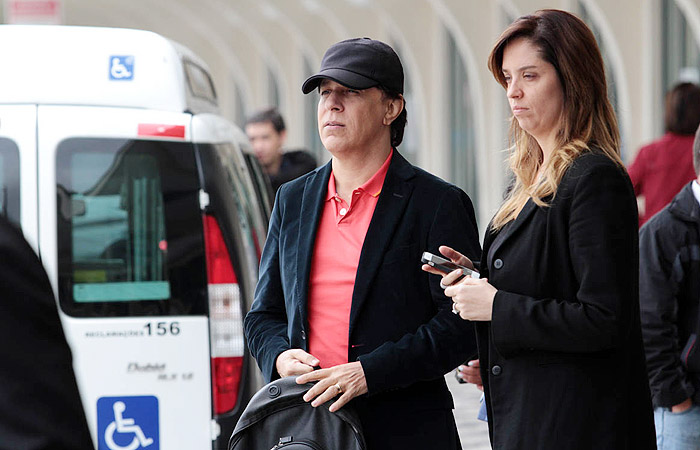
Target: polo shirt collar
<point>373,186</point>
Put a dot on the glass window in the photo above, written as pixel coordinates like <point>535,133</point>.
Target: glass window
<point>245,200</point>
<point>680,55</point>
<point>313,141</point>
<point>273,88</point>
<point>411,139</point>
<point>200,82</point>
<point>9,180</point>
<point>461,123</point>
<point>129,228</point>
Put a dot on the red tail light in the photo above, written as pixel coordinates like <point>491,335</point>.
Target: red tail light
<point>225,319</point>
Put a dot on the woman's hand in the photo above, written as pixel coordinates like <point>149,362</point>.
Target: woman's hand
<point>471,373</point>
<point>454,256</point>
<point>345,381</point>
<point>473,298</point>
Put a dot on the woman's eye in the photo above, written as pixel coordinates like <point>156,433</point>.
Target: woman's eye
<point>529,76</point>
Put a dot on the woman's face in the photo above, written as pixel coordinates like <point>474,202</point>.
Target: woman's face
<point>534,92</point>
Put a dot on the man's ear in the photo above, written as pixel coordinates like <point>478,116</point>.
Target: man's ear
<point>393,109</point>
<point>283,136</point>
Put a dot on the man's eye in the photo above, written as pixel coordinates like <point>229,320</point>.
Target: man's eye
<point>353,91</point>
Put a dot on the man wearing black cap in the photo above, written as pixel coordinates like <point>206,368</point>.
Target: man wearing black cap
<point>341,286</point>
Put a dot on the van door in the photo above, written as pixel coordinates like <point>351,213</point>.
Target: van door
<point>121,234</point>
<point>18,168</point>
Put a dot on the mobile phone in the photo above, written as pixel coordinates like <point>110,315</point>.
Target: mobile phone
<point>445,265</point>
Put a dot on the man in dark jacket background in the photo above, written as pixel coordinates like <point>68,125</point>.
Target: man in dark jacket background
<point>669,292</point>
<point>267,133</point>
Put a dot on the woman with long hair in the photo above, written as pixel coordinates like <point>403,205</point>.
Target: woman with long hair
<point>556,308</point>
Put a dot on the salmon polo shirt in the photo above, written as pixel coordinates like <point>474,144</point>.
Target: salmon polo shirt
<point>341,233</point>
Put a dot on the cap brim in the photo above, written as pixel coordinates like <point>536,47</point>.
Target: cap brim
<point>345,77</point>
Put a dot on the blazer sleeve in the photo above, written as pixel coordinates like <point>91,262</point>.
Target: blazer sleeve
<point>599,214</point>
<point>445,341</point>
<point>659,277</point>
<point>266,322</point>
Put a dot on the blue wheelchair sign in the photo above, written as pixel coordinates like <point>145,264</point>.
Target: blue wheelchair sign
<point>121,67</point>
<point>128,423</point>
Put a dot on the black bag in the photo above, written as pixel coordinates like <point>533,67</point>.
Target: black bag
<point>277,417</point>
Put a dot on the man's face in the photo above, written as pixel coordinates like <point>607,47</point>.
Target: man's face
<point>351,120</point>
<point>266,142</point>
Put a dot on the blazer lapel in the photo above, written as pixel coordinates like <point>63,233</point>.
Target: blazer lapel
<point>527,211</point>
<point>312,200</point>
<point>396,192</point>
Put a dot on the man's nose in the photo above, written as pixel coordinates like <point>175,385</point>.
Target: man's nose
<point>333,101</point>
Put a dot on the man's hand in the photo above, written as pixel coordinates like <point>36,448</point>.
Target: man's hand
<point>350,378</point>
<point>679,408</point>
<point>471,373</point>
<point>295,361</point>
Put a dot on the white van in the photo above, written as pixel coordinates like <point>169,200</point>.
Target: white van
<point>137,198</point>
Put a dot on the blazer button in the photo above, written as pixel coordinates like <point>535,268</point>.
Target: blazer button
<point>498,263</point>
<point>496,370</point>
<point>303,335</point>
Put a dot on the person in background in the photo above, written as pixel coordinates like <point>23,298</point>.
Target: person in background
<point>267,133</point>
<point>341,286</point>
<point>669,286</point>
<point>664,166</point>
<point>556,308</point>
<point>40,406</point>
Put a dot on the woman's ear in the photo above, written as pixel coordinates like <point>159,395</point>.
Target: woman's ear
<point>393,109</point>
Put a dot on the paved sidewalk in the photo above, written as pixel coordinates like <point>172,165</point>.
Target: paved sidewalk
<point>473,433</point>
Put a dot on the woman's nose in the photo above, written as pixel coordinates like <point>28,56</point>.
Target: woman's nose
<point>513,90</point>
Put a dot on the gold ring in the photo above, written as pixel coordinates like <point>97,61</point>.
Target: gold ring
<point>337,386</point>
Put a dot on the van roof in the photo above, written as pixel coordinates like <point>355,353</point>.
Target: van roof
<point>66,65</point>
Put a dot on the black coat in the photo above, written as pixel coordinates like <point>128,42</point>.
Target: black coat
<point>562,359</point>
<point>669,294</point>
<point>40,406</point>
<point>401,326</point>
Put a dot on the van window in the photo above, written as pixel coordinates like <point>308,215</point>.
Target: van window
<point>200,82</point>
<point>130,236</point>
<point>242,201</point>
<point>9,180</point>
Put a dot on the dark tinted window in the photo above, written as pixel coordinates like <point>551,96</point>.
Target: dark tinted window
<point>129,228</point>
<point>9,180</point>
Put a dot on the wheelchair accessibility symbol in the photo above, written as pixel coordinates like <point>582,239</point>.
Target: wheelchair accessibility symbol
<point>128,423</point>
<point>121,67</point>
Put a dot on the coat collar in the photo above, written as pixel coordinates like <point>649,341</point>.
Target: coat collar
<point>527,211</point>
<point>388,213</point>
<point>393,199</point>
<point>685,206</point>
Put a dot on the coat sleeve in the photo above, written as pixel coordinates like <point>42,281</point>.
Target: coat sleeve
<point>445,341</point>
<point>266,322</point>
<point>659,283</point>
<point>40,405</point>
<point>600,220</point>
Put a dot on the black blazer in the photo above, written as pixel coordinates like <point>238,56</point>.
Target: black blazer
<point>40,406</point>
<point>562,359</point>
<point>401,326</point>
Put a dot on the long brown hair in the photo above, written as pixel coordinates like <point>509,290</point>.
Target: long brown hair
<point>588,120</point>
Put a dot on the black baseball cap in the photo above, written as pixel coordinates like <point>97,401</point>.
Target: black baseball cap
<point>359,63</point>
